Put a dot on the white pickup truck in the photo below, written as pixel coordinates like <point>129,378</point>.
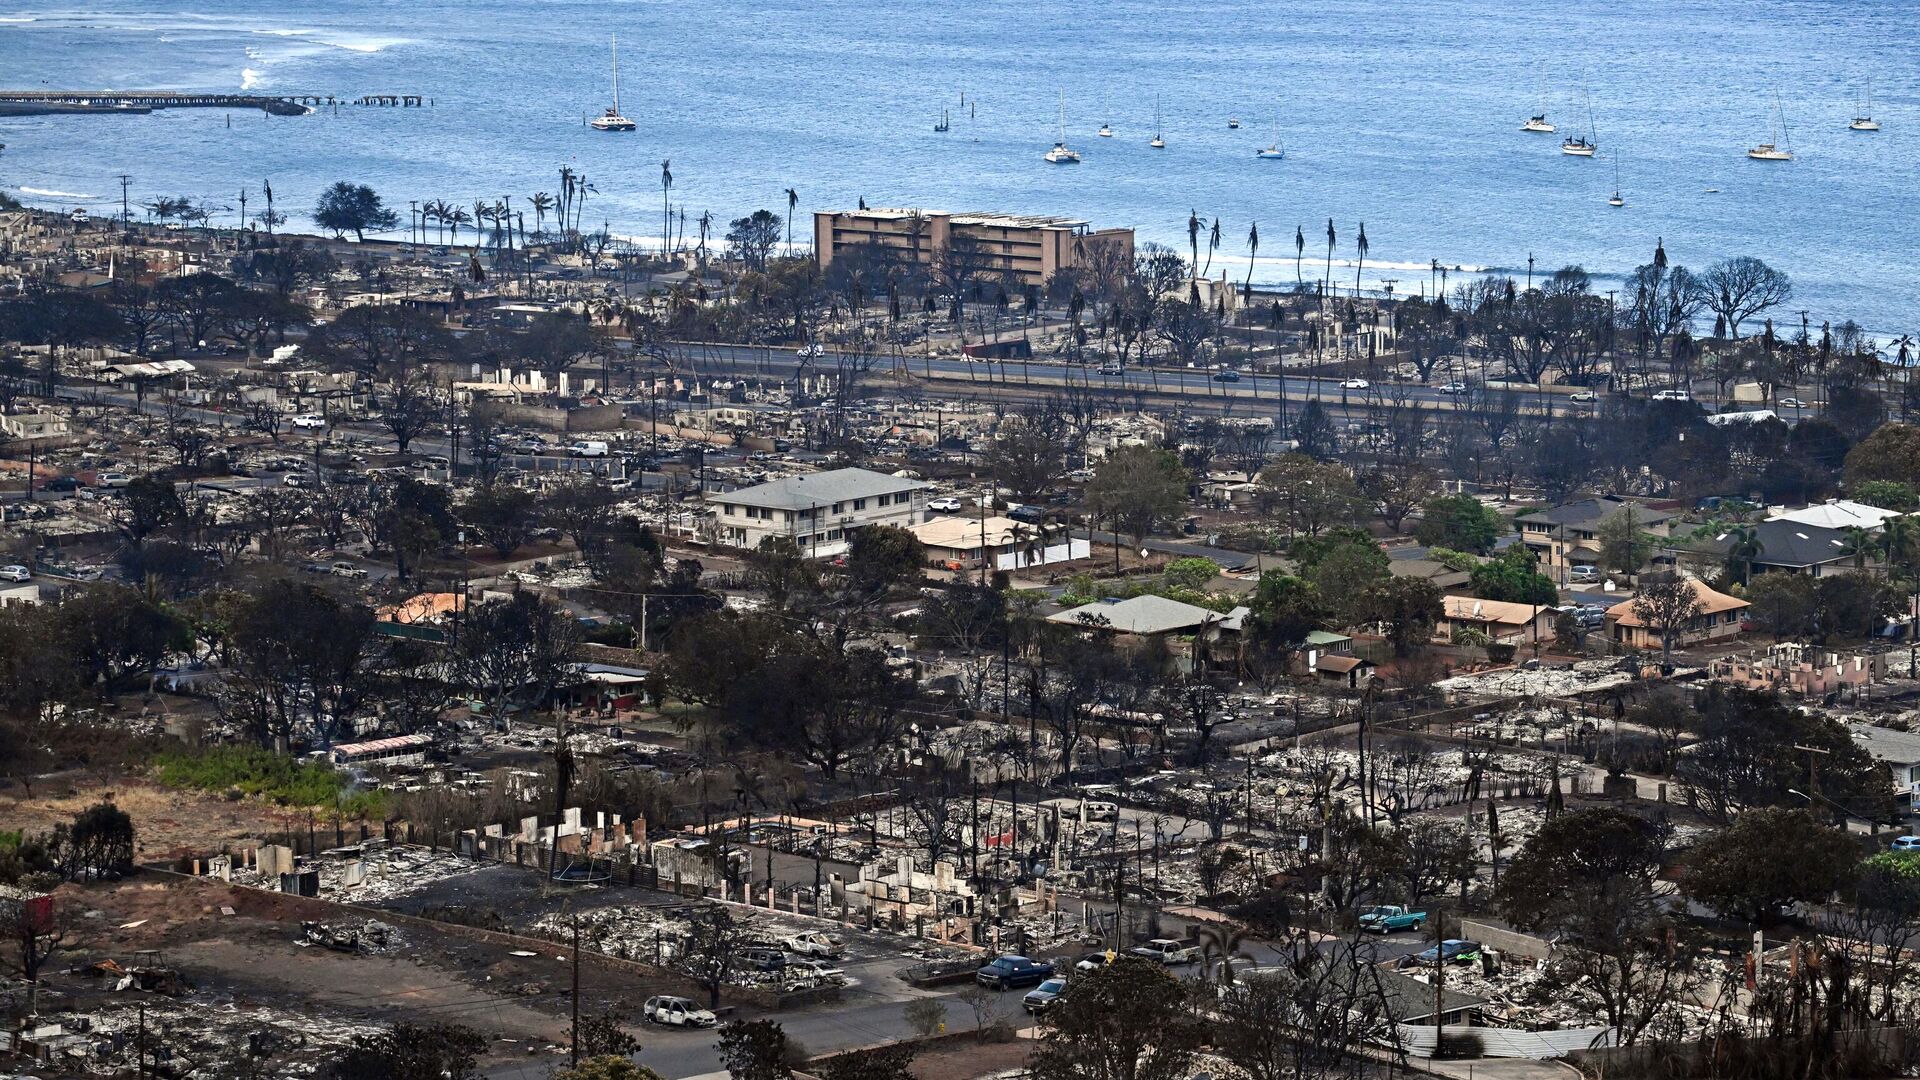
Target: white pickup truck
<point>1167,951</point>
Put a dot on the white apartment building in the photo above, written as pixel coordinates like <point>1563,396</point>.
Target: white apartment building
<point>819,512</point>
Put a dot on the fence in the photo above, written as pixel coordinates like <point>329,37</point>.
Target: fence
<point>1461,1040</point>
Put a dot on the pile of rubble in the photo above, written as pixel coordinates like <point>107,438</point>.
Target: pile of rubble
<point>1581,677</point>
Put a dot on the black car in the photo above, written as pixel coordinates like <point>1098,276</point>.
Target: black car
<point>1012,972</point>
<point>61,483</point>
<point>764,959</point>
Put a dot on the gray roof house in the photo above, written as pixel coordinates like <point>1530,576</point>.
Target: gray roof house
<point>1785,546</point>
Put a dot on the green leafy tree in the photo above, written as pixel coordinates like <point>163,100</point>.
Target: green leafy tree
<point>1126,1021</point>
<point>353,208</point>
<point>1459,522</point>
<point>1625,545</point>
<point>607,1067</point>
<point>754,1050</point>
<point>1137,488</point>
<point>412,1052</point>
<point>1407,610</point>
<point>1768,858</point>
<point>1891,452</point>
<point>502,517</point>
<point>1511,577</point>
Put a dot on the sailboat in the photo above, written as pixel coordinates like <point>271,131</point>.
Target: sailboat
<point>1157,142</point>
<point>1538,121</point>
<point>1582,145</point>
<point>1273,152</point>
<point>1615,200</point>
<point>946,122</point>
<point>611,120</point>
<point>1863,115</point>
<point>1779,148</point>
<point>1060,155</point>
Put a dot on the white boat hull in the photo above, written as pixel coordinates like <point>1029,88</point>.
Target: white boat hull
<point>613,123</point>
<point>1578,151</point>
<point>1768,153</point>
<point>1540,126</point>
<point>1270,154</point>
<point>1864,124</point>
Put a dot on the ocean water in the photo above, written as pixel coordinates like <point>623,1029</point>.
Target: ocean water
<point>1401,116</point>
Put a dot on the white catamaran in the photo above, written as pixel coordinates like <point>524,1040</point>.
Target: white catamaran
<point>611,120</point>
<point>1060,155</point>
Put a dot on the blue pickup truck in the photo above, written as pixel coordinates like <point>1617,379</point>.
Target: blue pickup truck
<point>1387,918</point>
<point>1012,972</point>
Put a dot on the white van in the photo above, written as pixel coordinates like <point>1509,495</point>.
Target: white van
<point>587,449</point>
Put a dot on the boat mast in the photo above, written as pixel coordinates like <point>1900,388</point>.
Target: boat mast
<point>1786,139</point>
<point>616,74</point>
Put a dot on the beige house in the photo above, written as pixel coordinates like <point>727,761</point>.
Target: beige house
<point>1566,536</point>
<point>1719,619</point>
<point>959,543</point>
<point>819,512</point>
<point>1503,623</point>
<point>1031,248</point>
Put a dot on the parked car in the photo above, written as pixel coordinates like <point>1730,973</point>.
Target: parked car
<point>317,568</point>
<point>1581,395</point>
<point>676,1012</point>
<point>588,448</point>
<point>1454,950</point>
<point>309,422</point>
<point>1013,972</point>
<point>811,351</point>
<point>811,943</point>
<point>1095,961</point>
<point>1112,367</point>
<point>114,480</point>
<point>944,506</point>
<point>765,959</point>
<point>1386,918</point>
<point>1355,384</point>
<point>1226,375</point>
<point>61,483</point>
<point>1583,572</point>
<point>1168,951</point>
<point>813,968</point>
<point>1453,388</point>
<point>1791,403</point>
<point>1904,843</point>
<point>1672,395</point>
<point>15,572</point>
<point>1042,997</point>
<point>346,570</point>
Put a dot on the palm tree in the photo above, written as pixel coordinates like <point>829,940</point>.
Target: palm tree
<point>1900,545</point>
<point>1213,245</point>
<point>1742,548</point>
<point>1253,252</point>
<point>1218,940</point>
<point>455,217</point>
<point>542,202</point>
<point>268,185</point>
<point>793,200</point>
<point>1361,243</point>
<point>1299,249</point>
<point>1859,544</point>
<point>666,210</point>
<point>1193,237</point>
<point>1326,282</point>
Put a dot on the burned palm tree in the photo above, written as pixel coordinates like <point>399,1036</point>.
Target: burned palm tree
<point>666,208</point>
<point>1361,245</point>
<point>1253,252</point>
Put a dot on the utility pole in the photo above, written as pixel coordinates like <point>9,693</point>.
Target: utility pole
<point>126,213</point>
<point>573,1050</point>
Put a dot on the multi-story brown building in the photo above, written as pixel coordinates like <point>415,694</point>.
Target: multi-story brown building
<point>1032,248</point>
